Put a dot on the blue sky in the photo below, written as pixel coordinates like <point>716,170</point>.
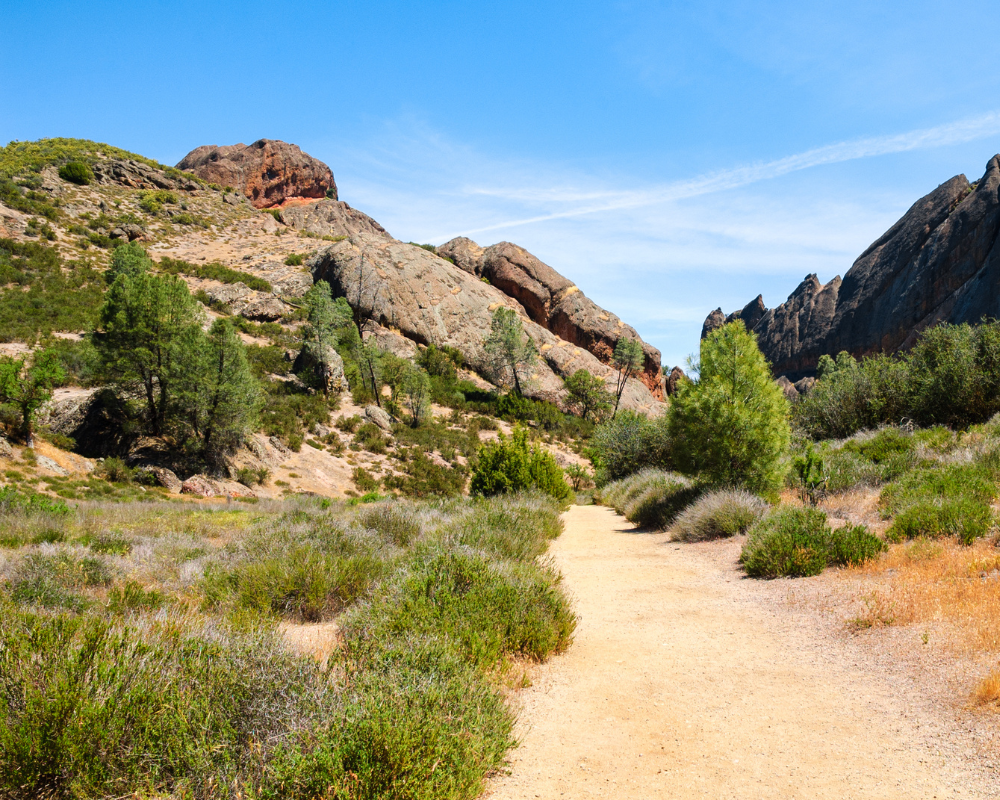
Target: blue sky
<point>668,157</point>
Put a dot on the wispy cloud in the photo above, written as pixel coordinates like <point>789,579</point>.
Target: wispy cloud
<point>595,202</point>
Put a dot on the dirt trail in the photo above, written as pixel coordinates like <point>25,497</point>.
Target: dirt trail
<point>673,688</point>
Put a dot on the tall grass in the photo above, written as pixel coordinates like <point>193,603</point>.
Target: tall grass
<point>717,515</point>
<point>651,498</point>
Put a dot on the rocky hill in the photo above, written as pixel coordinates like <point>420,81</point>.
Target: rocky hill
<point>939,263</point>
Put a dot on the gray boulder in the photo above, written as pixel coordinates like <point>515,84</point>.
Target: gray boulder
<point>331,218</point>
<point>325,366</point>
<point>379,417</point>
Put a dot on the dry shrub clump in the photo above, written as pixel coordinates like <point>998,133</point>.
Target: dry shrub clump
<point>987,693</point>
<point>651,498</point>
<point>717,515</point>
<point>941,580</point>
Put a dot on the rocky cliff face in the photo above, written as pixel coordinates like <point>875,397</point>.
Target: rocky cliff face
<point>939,263</point>
<point>552,301</point>
<point>430,300</point>
<point>269,172</point>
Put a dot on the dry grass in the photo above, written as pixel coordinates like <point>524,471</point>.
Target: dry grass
<point>987,693</point>
<point>941,581</point>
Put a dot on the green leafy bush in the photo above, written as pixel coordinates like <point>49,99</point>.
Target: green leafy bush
<point>852,545</point>
<point>718,515</point>
<point>629,443</point>
<point>76,172</point>
<point>513,465</point>
<point>213,271</point>
<point>789,542</point>
<point>294,260</point>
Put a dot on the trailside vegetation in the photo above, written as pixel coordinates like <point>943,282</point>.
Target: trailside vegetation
<point>512,464</point>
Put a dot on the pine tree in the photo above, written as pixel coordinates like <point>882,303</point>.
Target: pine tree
<point>730,427</point>
<point>586,394</point>
<point>28,386</point>
<point>628,360</point>
<point>510,352</point>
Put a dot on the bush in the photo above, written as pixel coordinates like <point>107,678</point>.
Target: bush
<point>395,522</point>
<point>953,500</point>
<point>659,503</point>
<point>791,542</point>
<point>629,443</point>
<point>869,458</point>
<point>294,260</point>
<point>730,426</point>
<point>512,465</point>
<point>853,545</point>
<point>717,515</point>
<point>76,172</point>
<point>116,471</point>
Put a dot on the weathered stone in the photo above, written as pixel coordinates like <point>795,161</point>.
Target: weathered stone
<point>380,417</point>
<point>166,478</point>
<point>713,321</point>
<point>269,172</point>
<point>673,380</point>
<point>128,231</point>
<point>464,254</point>
<point>331,218</point>
<point>47,463</point>
<point>324,364</point>
<point>139,175</point>
<point>6,451</point>
<point>552,301</point>
<point>264,308</point>
<point>804,385</point>
<point>791,393</point>
<point>199,484</point>
<point>429,300</point>
<point>391,341</point>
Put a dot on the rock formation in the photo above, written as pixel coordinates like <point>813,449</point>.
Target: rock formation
<point>552,301</point>
<point>330,218</point>
<point>429,300</point>
<point>269,172</point>
<point>939,263</point>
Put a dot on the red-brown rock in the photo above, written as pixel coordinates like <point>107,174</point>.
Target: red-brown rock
<point>270,172</point>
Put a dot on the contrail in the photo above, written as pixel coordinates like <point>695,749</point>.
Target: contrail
<point>966,130</point>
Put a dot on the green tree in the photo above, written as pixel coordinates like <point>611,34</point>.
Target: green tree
<point>510,352</point>
<point>416,393</point>
<point>628,360</point>
<point>128,259</point>
<point>327,317</point>
<point>219,396</point>
<point>730,426</point>
<point>368,356</point>
<point>149,325</point>
<point>28,386</point>
<point>513,465</point>
<point>586,394</point>
<point>627,443</point>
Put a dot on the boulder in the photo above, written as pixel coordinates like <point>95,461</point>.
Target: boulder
<point>940,262</point>
<point>380,417</point>
<point>47,463</point>
<point>552,301</point>
<point>324,364</point>
<point>331,218</point>
<point>464,254</point>
<point>429,300</point>
<point>166,478</point>
<point>241,300</point>
<point>6,451</point>
<point>673,379</point>
<point>199,484</point>
<point>804,385</point>
<point>94,419</point>
<point>264,308</point>
<point>129,231</point>
<point>791,393</point>
<point>269,172</point>
<point>391,341</point>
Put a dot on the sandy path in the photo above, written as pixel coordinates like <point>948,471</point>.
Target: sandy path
<point>674,689</point>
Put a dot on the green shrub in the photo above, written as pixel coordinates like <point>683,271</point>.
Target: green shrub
<point>28,502</point>
<point>369,437</point>
<point>629,443</point>
<point>852,545</point>
<point>717,515</point>
<point>116,471</point>
<point>214,271</point>
<point>963,517</point>
<point>792,542</point>
<point>396,522</point>
<point>424,477</point>
<point>76,172</point>
<point>517,527</point>
<point>294,260</point>
<point>513,465</point>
